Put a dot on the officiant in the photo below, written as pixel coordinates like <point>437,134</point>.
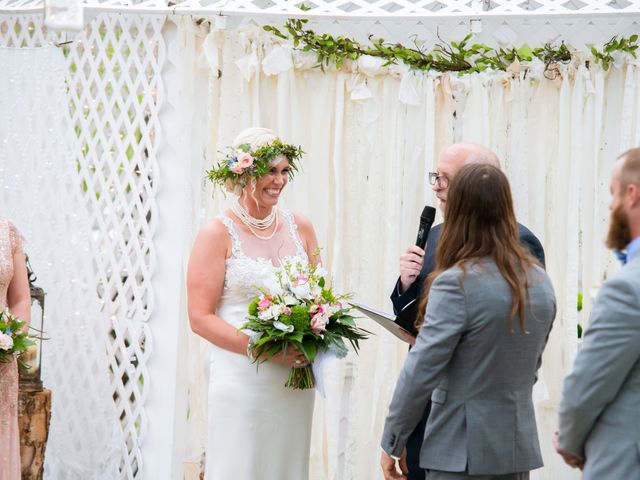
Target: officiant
<point>416,264</point>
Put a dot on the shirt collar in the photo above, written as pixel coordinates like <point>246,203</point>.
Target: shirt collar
<point>633,248</point>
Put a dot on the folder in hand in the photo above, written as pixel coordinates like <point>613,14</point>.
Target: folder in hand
<point>387,320</point>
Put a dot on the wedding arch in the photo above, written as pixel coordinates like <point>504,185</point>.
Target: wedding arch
<point>106,133</point>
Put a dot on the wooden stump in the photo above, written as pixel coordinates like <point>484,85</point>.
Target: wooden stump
<point>34,414</point>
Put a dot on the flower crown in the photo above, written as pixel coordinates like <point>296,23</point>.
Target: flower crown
<point>242,164</point>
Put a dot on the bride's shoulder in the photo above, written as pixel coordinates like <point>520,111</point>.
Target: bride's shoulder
<point>214,229</point>
<point>302,221</point>
<point>304,225</point>
<point>306,233</point>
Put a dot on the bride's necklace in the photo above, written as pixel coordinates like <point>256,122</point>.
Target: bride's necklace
<point>253,223</point>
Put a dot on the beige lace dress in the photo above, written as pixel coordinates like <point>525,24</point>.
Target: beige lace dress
<point>10,244</point>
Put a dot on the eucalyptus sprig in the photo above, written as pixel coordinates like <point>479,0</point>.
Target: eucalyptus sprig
<point>462,57</point>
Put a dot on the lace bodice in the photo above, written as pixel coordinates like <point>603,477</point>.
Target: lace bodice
<point>246,271</point>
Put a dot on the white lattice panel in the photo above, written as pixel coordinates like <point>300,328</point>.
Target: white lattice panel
<point>362,8</point>
<point>114,96</point>
<point>579,32</point>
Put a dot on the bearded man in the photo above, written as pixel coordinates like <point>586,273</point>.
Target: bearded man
<point>599,414</point>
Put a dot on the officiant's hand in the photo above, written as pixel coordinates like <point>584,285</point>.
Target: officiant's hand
<point>410,339</point>
<point>410,265</point>
<point>391,467</point>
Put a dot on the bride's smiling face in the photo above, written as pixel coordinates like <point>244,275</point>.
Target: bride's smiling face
<point>269,187</point>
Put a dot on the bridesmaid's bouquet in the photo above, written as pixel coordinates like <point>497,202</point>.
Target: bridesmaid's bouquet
<point>302,311</point>
<point>14,338</point>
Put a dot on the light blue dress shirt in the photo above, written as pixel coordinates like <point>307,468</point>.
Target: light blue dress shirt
<point>633,248</point>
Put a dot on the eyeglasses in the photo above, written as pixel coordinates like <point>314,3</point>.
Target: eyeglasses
<point>441,180</point>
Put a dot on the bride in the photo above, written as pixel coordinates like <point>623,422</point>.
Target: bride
<point>257,427</point>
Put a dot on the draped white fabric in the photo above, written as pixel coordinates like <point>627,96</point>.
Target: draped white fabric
<point>41,193</point>
<point>371,134</point>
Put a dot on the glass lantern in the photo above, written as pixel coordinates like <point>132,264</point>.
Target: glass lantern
<point>31,360</point>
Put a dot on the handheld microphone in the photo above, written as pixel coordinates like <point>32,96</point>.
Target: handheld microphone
<point>426,220</point>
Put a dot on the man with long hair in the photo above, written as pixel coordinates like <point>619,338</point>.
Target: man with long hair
<point>416,264</point>
<point>489,313</point>
<point>599,410</point>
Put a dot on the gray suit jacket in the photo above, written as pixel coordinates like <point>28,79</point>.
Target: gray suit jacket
<point>479,374</point>
<point>600,407</point>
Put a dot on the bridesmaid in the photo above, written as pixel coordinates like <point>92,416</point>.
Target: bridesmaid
<point>14,295</point>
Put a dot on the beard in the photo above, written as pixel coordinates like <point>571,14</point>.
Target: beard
<point>619,234</point>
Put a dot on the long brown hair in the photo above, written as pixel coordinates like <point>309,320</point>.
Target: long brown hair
<point>480,222</point>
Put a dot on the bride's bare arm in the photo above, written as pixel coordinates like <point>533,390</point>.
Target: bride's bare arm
<point>308,237</point>
<point>205,281</point>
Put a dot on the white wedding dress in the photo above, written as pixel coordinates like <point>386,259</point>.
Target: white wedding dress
<point>258,428</point>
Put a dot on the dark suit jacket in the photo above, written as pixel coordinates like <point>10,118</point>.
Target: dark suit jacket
<point>405,305</point>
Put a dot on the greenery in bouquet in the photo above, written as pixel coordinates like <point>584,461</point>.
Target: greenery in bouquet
<point>300,310</point>
<point>14,338</point>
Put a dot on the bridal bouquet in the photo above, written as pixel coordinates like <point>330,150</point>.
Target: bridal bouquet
<point>14,338</point>
<point>300,310</point>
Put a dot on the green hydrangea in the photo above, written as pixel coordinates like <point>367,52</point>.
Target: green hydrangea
<point>253,307</point>
<point>299,318</point>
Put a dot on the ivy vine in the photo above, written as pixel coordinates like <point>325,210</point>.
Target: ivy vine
<point>462,57</point>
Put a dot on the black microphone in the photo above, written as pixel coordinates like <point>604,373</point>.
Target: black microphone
<point>426,220</point>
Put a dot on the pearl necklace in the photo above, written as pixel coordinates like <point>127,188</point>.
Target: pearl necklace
<point>256,223</point>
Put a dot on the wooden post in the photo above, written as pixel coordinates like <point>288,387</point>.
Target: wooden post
<point>34,414</point>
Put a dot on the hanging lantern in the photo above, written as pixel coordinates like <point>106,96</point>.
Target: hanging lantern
<point>31,360</point>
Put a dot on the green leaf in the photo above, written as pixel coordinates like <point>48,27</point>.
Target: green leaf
<point>296,337</point>
<point>347,320</point>
<point>309,349</point>
<point>274,349</point>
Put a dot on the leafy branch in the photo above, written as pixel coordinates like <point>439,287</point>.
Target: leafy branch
<point>463,57</point>
<point>625,45</point>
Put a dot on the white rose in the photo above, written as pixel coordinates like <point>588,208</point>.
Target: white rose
<point>316,291</point>
<point>290,299</point>
<point>266,314</point>
<point>274,311</point>
<point>6,342</point>
<point>301,291</point>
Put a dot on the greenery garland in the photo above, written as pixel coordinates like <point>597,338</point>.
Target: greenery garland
<point>462,57</point>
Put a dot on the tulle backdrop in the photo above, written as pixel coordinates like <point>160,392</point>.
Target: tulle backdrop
<point>371,134</point>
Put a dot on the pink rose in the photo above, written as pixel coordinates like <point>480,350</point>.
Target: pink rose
<point>264,303</point>
<point>286,311</point>
<point>245,160</point>
<point>236,168</point>
<point>319,322</point>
